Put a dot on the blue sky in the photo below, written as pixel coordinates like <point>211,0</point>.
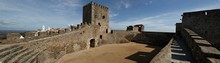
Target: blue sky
<point>156,15</point>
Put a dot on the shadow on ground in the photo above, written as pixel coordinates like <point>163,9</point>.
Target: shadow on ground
<point>155,40</point>
<point>144,57</point>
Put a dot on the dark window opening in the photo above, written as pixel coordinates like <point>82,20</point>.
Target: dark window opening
<point>111,31</point>
<point>92,43</point>
<point>106,31</point>
<point>103,17</point>
<point>99,24</point>
<point>139,29</point>
<point>100,36</point>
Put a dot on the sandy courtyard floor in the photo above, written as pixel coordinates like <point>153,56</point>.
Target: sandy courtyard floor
<point>113,53</point>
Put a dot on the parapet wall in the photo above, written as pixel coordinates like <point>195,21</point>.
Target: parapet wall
<point>33,35</point>
<point>153,38</point>
<point>58,45</point>
<point>161,39</point>
<point>121,36</point>
<point>164,55</point>
<point>201,49</point>
<point>13,37</point>
<point>205,23</point>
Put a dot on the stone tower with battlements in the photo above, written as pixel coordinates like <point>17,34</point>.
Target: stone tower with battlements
<point>97,17</point>
<point>95,14</point>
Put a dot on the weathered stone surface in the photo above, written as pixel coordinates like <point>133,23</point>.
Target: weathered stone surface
<point>136,28</point>
<point>164,56</point>
<point>201,49</point>
<point>205,23</point>
<point>199,29</point>
<point>203,42</point>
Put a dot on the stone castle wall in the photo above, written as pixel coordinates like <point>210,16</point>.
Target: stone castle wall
<point>200,30</point>
<point>201,49</point>
<point>28,36</point>
<point>80,39</point>
<point>94,31</point>
<point>153,38</point>
<point>205,23</point>
<point>178,28</point>
<point>13,37</point>
<point>164,55</point>
<point>136,28</point>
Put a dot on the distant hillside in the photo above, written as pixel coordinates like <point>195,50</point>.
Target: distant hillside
<point>13,31</point>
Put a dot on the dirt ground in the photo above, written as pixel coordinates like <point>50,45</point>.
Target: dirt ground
<point>113,53</point>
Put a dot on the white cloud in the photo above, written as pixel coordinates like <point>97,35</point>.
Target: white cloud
<point>67,3</point>
<point>113,14</point>
<point>126,5</point>
<point>65,6</point>
<point>123,3</point>
<point>8,7</point>
<point>6,22</point>
<point>57,13</point>
<point>164,22</point>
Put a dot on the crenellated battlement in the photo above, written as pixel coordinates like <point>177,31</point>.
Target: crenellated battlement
<point>98,5</point>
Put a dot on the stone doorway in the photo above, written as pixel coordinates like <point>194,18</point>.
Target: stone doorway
<point>92,43</point>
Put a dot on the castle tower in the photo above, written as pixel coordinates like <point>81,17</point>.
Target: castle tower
<point>97,17</point>
<point>95,14</point>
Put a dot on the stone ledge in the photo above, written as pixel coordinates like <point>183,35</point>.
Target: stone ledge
<point>202,42</point>
<point>213,60</point>
<point>202,50</point>
<point>191,33</point>
<point>209,50</point>
<point>196,37</point>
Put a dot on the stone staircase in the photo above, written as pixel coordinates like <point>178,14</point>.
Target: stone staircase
<point>17,54</point>
<point>180,53</point>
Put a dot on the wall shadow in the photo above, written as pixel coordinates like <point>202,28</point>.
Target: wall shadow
<point>203,44</point>
<point>151,38</point>
<point>155,40</point>
<point>144,57</point>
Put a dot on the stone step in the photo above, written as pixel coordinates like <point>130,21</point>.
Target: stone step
<point>24,59</point>
<point>10,51</point>
<point>20,56</point>
<point>12,55</point>
<point>32,59</point>
<point>7,48</point>
<point>180,52</point>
